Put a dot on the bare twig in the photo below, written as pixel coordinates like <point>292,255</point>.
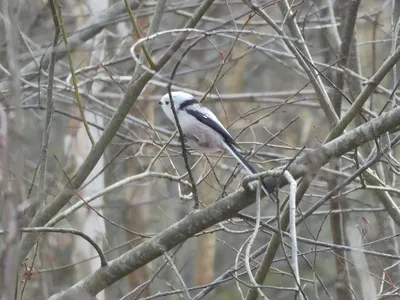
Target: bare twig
<point>113,187</point>
<point>70,231</point>
<point>251,241</point>
<point>292,228</point>
<point>71,67</point>
<point>138,35</point>
<point>184,152</point>
<point>176,271</point>
<point>49,107</point>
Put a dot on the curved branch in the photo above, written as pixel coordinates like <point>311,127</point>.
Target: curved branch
<point>71,231</point>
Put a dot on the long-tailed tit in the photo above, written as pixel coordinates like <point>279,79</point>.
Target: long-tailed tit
<point>202,129</point>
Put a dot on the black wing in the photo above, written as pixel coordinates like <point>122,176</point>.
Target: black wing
<point>205,119</point>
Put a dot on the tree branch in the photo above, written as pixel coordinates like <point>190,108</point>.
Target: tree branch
<point>70,231</point>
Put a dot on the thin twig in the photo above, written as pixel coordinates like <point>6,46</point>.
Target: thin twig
<point>113,187</point>
<point>293,231</point>
<point>74,79</point>
<point>70,231</point>
<point>138,35</point>
<point>251,241</point>
<point>184,152</point>
<point>175,269</point>
<point>49,107</point>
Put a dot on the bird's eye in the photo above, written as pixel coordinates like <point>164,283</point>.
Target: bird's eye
<point>167,102</point>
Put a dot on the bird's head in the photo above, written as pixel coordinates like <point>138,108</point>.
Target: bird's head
<point>181,100</point>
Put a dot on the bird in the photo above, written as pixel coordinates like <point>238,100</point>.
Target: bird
<point>202,130</point>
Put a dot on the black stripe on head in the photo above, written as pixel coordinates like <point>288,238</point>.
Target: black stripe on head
<point>187,103</point>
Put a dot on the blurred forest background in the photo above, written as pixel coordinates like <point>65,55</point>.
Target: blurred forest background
<point>85,150</point>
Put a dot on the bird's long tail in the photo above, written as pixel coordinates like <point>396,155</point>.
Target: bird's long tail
<point>249,168</point>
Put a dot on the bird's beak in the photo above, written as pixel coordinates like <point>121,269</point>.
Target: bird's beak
<point>159,102</point>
